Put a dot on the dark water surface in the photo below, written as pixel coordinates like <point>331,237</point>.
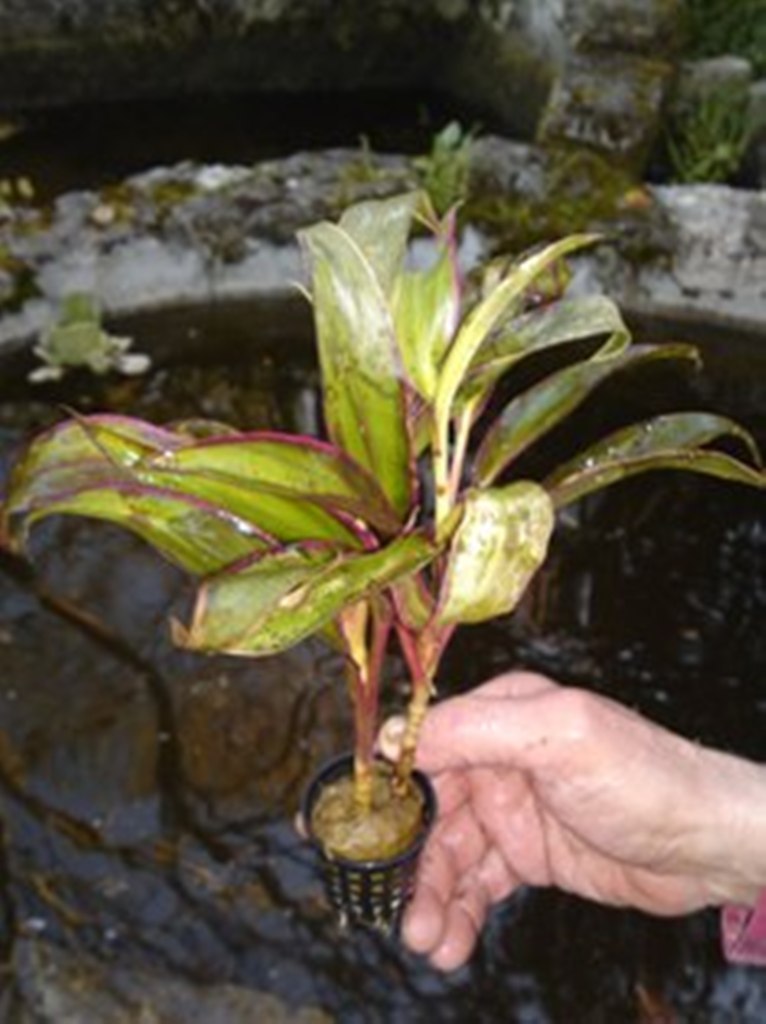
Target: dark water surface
<point>89,146</point>
<point>149,860</point>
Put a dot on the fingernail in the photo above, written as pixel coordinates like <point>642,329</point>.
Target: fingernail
<point>391,735</point>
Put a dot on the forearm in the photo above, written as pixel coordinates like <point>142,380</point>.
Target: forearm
<point>730,843</point>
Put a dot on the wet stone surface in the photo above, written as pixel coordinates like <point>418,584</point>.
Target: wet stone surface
<point>152,872</point>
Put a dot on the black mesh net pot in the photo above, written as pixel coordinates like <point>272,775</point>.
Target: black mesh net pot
<point>370,893</point>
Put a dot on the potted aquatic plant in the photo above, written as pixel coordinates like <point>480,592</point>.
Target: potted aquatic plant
<point>400,526</point>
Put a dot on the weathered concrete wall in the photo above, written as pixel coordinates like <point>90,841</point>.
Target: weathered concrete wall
<point>612,60</point>
<point>495,52</point>
<point>59,51</point>
<point>617,73</point>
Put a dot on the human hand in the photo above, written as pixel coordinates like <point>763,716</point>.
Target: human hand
<point>548,785</point>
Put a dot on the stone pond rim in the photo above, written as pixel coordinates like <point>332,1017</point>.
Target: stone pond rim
<point>229,235</point>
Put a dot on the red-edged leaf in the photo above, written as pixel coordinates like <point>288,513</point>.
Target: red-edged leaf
<point>74,441</point>
<point>298,467</point>
<point>230,604</point>
<point>487,316</point>
<point>559,323</point>
<point>92,451</point>
<point>666,442</point>
<point>191,533</point>
<point>530,416</point>
<point>271,603</point>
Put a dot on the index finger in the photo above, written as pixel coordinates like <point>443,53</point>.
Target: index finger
<point>473,731</point>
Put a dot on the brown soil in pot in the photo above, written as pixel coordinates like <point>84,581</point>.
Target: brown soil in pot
<point>391,825</point>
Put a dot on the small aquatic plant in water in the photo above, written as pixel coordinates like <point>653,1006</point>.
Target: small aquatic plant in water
<point>77,339</point>
<point>404,523</point>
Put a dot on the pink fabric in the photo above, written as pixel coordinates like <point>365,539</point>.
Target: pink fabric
<point>744,933</point>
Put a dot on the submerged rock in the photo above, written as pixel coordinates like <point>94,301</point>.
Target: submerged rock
<point>102,737</point>
<point>146,791</point>
<point>249,734</point>
<point>60,987</point>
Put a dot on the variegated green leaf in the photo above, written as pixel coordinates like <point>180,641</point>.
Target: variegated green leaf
<point>426,312</point>
<point>193,534</point>
<point>500,543</point>
<point>487,315</point>
<point>240,476</point>
<point>84,438</point>
<point>364,398</point>
<point>548,286</point>
<point>530,415</point>
<point>666,442</point>
<point>560,323</point>
<point>82,452</point>
<point>413,601</point>
<point>381,227</point>
<point>298,468</point>
<point>281,514</point>
<point>230,605</point>
<point>275,602</point>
